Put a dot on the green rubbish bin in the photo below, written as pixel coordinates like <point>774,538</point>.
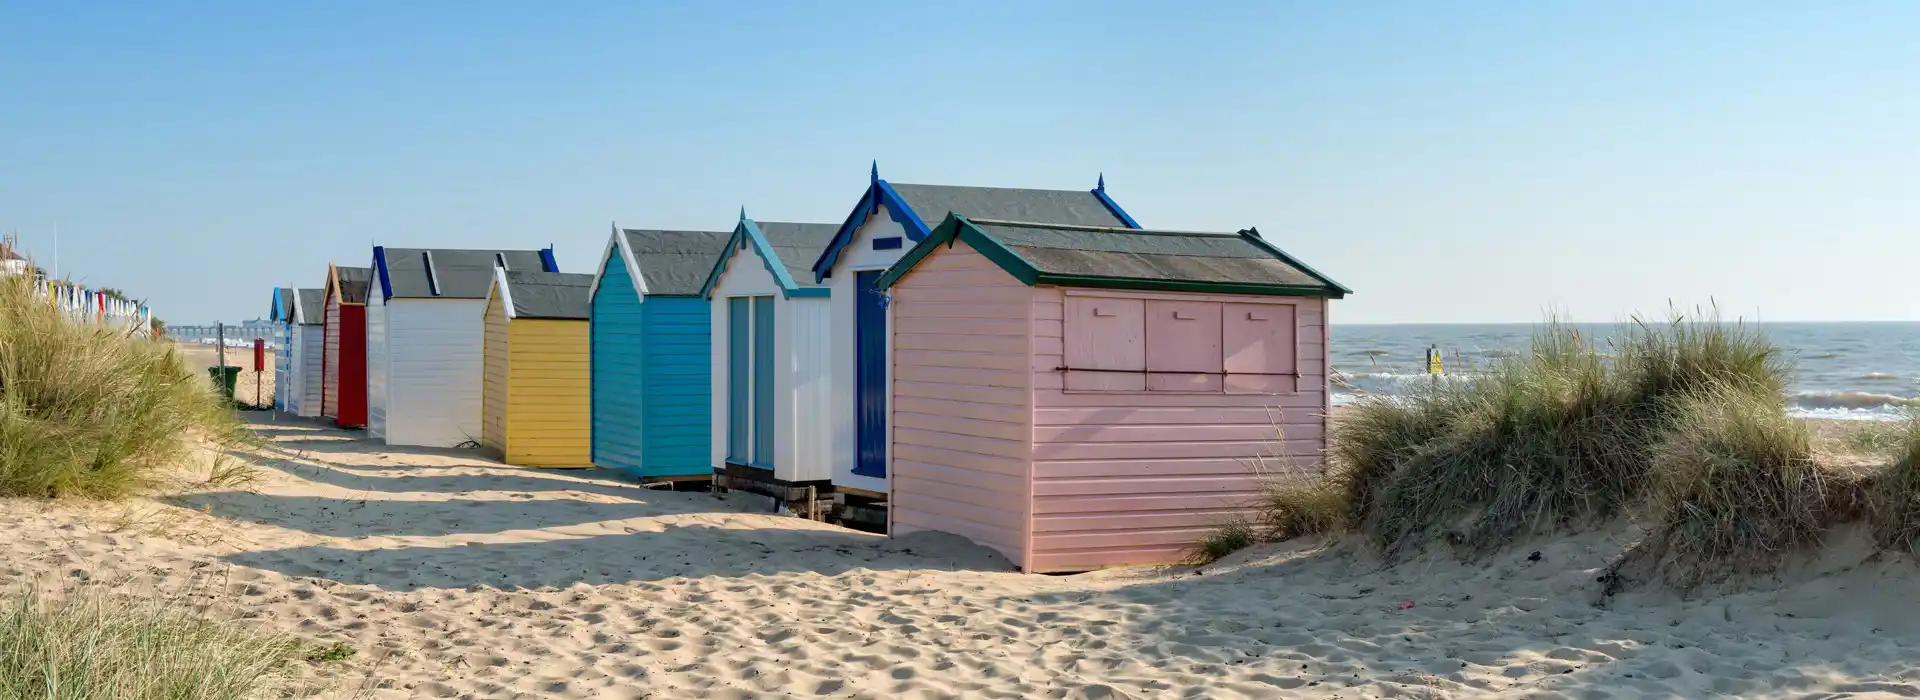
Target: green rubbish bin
<point>224,378</point>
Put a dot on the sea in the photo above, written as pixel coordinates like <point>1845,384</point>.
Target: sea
<point>1848,371</point>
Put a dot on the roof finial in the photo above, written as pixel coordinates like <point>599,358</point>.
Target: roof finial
<point>876,170</point>
<point>743,212</point>
<point>1101,186</point>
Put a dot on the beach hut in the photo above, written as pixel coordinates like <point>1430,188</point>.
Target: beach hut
<point>297,355</point>
<point>536,394</point>
<point>1100,396</point>
<point>343,363</point>
<point>425,340</point>
<point>887,220</point>
<point>652,354</point>
<point>281,314</point>
<point>305,350</point>
<point>770,363</point>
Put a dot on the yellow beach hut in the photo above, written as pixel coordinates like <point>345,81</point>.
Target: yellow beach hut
<point>537,393</point>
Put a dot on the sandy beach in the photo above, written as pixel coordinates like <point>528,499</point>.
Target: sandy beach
<point>452,576</point>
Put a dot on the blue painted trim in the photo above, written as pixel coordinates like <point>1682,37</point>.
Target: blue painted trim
<point>748,233</point>
<point>547,261</point>
<point>380,263</point>
<point>888,243</point>
<point>279,313</point>
<point>897,209</point>
<point>1113,206</point>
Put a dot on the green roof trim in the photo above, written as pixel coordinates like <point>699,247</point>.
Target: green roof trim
<point>958,229</point>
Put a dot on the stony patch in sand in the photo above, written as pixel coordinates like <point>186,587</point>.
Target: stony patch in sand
<point>453,576</point>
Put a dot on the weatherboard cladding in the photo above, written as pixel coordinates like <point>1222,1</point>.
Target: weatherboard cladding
<point>932,203</point>
<point>675,263</point>
<point>553,295</point>
<point>313,304</point>
<point>457,274</point>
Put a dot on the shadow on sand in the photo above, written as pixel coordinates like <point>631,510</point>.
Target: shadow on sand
<point>675,551</point>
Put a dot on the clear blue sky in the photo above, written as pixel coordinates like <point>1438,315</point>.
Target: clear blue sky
<point>1466,161</point>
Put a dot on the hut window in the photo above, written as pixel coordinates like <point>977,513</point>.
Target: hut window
<point>1183,346</point>
<point>1106,348</point>
<point>1258,348</point>
<point>1179,345</point>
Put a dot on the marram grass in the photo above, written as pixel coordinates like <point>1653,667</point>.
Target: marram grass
<point>88,411</point>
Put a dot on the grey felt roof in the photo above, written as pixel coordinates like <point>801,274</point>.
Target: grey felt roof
<point>798,245</point>
<point>353,283</point>
<point>675,263</point>
<point>1174,256</point>
<point>1072,207</point>
<point>557,295</point>
<point>458,274</point>
<point>283,309</point>
<point>313,306</point>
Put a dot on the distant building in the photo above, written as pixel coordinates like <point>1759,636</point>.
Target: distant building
<point>11,261</point>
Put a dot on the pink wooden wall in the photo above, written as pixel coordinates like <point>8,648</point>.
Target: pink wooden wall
<point>1136,477</point>
<point>1126,467</point>
<point>961,406</point>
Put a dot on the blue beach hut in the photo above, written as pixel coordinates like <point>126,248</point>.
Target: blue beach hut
<point>651,348</point>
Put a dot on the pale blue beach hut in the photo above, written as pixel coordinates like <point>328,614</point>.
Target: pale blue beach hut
<point>651,353</point>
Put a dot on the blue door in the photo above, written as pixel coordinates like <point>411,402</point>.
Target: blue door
<point>739,389</point>
<point>870,375</point>
<point>763,365</point>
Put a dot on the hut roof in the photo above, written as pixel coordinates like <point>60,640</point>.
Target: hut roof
<point>932,203</point>
<point>447,273</point>
<point>1124,258</point>
<point>549,295</point>
<point>310,306</point>
<point>282,310</point>
<point>919,208</point>
<point>674,263</point>
<point>785,247</point>
<point>353,283</point>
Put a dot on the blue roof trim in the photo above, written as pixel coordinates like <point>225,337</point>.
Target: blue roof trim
<point>380,264</point>
<point>279,310</point>
<point>748,233</point>
<point>1100,191</point>
<point>897,210</point>
<point>546,260</point>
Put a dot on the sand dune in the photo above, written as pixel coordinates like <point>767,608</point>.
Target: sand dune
<point>455,577</point>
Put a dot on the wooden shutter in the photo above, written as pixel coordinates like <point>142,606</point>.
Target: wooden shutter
<point>1259,348</point>
<point>1106,344</point>
<point>1183,345</point>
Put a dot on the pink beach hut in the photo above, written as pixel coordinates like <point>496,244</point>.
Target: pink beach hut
<point>1079,397</point>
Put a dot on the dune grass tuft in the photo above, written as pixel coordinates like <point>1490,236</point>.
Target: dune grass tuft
<point>1894,494</point>
<point>1225,538</point>
<point>1560,436</point>
<point>93,645</point>
<point>87,411</point>
<point>1735,487</point>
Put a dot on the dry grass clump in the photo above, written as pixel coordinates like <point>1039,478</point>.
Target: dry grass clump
<point>86,410</point>
<point>92,645</point>
<point>1558,437</point>
<point>1894,494</point>
<point>1735,487</point>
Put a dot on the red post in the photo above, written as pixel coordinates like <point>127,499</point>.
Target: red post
<point>259,354</point>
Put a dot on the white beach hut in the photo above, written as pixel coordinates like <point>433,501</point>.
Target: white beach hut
<point>304,350</point>
<point>771,360</point>
<point>426,340</point>
<point>886,222</point>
